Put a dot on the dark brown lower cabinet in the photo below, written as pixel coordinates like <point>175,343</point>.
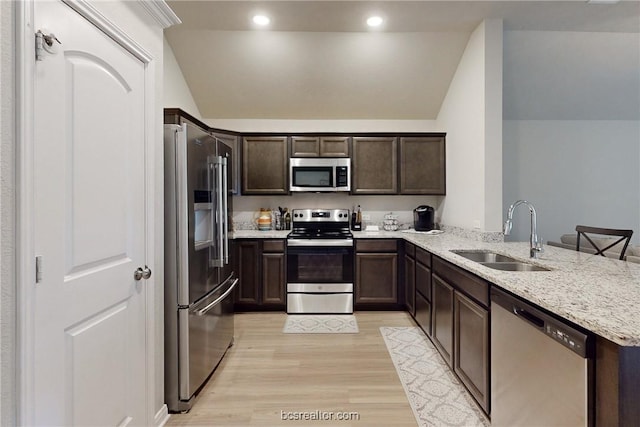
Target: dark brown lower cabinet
<point>460,326</point>
<point>423,296</point>
<point>471,347</point>
<point>273,280</point>
<point>376,280</point>
<point>410,284</point>
<point>260,266</point>
<point>247,267</point>
<point>376,273</point>
<point>442,318</point>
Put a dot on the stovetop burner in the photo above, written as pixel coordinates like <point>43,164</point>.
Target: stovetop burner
<point>320,224</point>
<point>320,234</point>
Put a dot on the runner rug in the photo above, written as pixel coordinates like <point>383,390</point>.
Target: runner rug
<point>434,393</point>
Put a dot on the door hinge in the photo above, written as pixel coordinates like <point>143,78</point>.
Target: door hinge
<point>45,42</point>
<point>38,269</point>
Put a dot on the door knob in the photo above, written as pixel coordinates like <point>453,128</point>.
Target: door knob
<point>142,273</point>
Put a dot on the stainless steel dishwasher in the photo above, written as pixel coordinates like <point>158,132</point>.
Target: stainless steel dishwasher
<point>541,367</point>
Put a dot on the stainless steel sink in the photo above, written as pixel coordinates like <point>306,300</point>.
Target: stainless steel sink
<point>483,256</point>
<point>497,261</point>
<point>514,266</point>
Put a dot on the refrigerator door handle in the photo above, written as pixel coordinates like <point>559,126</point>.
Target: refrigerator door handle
<point>224,211</point>
<point>217,217</point>
<point>209,306</point>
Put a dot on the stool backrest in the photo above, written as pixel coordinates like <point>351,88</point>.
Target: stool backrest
<point>624,235</point>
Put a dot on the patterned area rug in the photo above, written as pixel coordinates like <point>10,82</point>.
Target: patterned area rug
<point>435,394</point>
<point>320,324</point>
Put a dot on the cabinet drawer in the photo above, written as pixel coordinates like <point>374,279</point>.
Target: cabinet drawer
<point>469,284</point>
<point>273,246</point>
<point>410,249</point>
<point>376,245</point>
<point>423,257</point>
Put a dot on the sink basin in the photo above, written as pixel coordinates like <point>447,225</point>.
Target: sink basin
<point>483,256</point>
<point>497,261</point>
<point>514,266</point>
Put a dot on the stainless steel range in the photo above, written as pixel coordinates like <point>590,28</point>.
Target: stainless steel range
<point>320,262</point>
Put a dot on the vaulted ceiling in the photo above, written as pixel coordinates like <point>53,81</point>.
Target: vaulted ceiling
<point>317,60</point>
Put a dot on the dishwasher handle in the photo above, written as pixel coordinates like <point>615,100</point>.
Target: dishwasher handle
<point>529,317</point>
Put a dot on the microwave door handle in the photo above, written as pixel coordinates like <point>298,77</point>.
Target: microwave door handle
<point>224,211</point>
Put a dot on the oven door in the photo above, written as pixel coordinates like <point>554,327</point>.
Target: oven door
<point>320,261</point>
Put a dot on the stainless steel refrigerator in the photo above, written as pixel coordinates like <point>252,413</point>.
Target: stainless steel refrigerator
<point>199,279</point>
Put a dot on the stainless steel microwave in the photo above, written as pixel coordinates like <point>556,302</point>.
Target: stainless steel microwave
<point>319,174</point>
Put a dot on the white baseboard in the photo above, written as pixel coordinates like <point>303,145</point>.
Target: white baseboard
<point>162,416</point>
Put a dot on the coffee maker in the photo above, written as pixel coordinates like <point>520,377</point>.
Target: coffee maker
<point>423,218</point>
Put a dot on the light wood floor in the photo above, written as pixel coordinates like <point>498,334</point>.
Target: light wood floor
<point>267,373</point>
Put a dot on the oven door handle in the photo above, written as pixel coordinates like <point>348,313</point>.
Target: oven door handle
<point>320,242</point>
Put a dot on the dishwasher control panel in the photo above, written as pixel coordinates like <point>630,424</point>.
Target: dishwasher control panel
<point>573,341</point>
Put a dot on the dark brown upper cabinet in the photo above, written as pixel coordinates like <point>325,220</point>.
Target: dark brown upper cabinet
<point>264,165</point>
<point>374,165</point>
<point>422,165</point>
<point>319,146</point>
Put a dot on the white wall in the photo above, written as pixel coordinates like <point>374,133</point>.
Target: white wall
<point>574,156</point>
<point>176,91</point>
<point>574,172</point>
<point>7,217</point>
<point>471,114</point>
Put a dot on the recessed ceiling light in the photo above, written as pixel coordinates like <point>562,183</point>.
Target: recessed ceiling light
<point>374,21</point>
<point>261,20</point>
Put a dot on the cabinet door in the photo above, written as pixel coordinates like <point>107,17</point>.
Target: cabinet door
<point>305,146</point>
<point>376,278</point>
<point>273,278</point>
<point>472,347</point>
<point>423,313</point>
<point>375,165</point>
<point>423,280</point>
<point>264,165</point>
<point>334,146</point>
<point>232,141</point>
<point>248,269</point>
<point>410,284</point>
<point>422,165</point>
<point>442,318</point>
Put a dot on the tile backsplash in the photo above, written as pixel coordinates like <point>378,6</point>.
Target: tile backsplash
<point>245,210</point>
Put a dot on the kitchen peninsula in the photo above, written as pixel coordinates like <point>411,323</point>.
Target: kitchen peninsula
<point>598,294</point>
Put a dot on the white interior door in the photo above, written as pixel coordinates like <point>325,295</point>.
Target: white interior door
<point>89,319</point>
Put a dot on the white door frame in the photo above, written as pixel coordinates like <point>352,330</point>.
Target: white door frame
<point>25,203</point>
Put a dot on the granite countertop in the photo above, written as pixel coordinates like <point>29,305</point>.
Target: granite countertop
<point>600,294</point>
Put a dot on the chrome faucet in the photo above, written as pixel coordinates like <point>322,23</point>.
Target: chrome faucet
<point>536,244</point>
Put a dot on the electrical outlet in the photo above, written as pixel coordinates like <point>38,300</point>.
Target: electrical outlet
<point>366,217</point>
<point>476,224</point>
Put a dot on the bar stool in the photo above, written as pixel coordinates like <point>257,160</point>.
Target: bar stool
<point>625,235</point>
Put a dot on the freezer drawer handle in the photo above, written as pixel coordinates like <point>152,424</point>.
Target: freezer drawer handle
<point>204,311</point>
